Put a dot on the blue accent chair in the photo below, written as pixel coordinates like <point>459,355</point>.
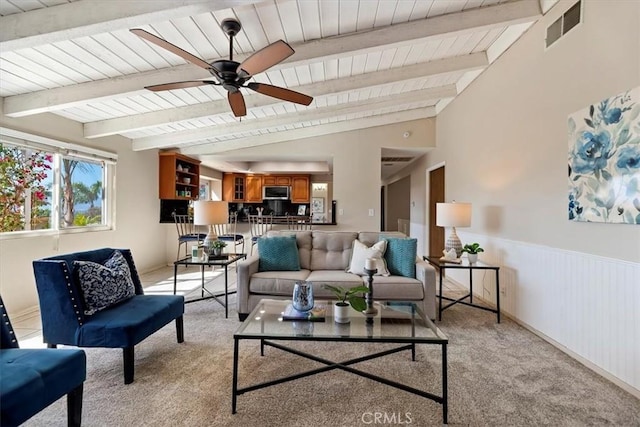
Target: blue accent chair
<point>32,379</point>
<point>122,325</point>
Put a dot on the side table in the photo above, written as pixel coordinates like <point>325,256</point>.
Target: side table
<point>465,265</point>
<point>225,261</point>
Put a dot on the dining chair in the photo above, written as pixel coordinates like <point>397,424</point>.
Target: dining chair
<point>298,222</point>
<point>228,232</point>
<point>187,233</point>
<point>259,225</point>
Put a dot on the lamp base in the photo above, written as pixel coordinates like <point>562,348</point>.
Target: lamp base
<point>453,242</point>
<point>208,242</point>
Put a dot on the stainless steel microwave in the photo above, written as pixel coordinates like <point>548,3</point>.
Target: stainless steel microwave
<point>275,192</point>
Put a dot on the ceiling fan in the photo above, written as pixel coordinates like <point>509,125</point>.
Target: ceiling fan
<point>230,74</point>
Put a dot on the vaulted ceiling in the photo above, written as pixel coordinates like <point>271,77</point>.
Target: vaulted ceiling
<point>365,62</point>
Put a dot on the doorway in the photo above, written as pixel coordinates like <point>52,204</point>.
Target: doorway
<point>436,195</point>
<point>383,221</point>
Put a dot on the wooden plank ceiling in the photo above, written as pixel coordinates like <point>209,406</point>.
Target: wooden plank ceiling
<point>365,62</point>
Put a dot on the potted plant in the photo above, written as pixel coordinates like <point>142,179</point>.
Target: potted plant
<point>346,297</point>
<point>472,251</point>
<point>216,247</point>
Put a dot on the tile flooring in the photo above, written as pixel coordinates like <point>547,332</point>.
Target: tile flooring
<point>28,329</point>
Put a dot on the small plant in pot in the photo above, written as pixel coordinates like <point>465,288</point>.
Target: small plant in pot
<point>215,249</point>
<point>472,251</point>
<point>346,297</point>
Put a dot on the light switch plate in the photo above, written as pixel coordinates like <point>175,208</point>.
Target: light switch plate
<point>371,212</point>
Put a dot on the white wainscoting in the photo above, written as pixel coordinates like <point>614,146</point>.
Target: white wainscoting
<point>588,304</point>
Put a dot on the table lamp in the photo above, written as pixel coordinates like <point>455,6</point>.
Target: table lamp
<point>207,212</point>
<point>453,215</point>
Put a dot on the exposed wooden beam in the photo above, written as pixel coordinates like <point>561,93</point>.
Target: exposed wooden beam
<point>313,51</point>
<point>88,17</point>
<point>176,139</point>
<point>337,127</point>
<point>172,115</point>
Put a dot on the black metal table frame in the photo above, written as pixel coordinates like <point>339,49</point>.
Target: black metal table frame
<point>221,262</point>
<point>441,266</point>
<point>330,365</point>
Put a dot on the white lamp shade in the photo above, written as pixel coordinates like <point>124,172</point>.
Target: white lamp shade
<point>453,214</point>
<point>207,212</point>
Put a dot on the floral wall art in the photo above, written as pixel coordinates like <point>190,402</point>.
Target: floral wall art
<point>604,161</point>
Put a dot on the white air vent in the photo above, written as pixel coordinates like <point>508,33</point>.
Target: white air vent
<point>396,159</point>
<point>564,24</point>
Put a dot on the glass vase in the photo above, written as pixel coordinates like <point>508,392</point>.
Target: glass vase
<point>303,296</point>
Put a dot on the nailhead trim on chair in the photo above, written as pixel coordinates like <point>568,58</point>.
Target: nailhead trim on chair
<point>13,340</point>
<point>66,276</point>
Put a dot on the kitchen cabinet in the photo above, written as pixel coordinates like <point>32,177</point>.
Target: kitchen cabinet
<point>179,177</point>
<point>300,190</point>
<point>237,187</point>
<point>276,180</point>
<point>253,186</point>
<point>233,187</point>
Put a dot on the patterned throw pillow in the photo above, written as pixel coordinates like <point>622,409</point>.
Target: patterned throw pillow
<point>360,254</point>
<point>401,256</point>
<point>278,253</point>
<point>104,285</point>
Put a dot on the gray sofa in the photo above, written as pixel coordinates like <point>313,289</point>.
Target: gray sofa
<point>324,259</point>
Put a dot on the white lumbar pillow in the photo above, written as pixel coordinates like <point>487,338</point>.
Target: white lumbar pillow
<point>360,254</point>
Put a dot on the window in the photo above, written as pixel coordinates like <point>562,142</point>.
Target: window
<point>562,25</point>
<point>52,185</point>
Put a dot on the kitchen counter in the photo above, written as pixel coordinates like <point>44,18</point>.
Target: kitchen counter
<point>282,219</point>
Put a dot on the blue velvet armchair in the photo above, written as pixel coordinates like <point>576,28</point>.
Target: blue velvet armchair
<point>32,379</point>
<point>123,325</point>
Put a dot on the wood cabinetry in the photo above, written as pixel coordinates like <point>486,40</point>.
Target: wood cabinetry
<point>276,180</point>
<point>179,177</point>
<point>237,187</point>
<point>233,187</point>
<point>253,185</point>
<point>300,191</point>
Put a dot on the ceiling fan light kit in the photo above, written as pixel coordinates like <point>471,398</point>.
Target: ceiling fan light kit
<point>230,74</point>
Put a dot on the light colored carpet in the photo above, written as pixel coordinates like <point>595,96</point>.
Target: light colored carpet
<point>499,375</point>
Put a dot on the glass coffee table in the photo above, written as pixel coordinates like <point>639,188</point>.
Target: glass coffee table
<point>395,322</point>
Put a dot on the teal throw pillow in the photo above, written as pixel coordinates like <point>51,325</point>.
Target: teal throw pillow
<point>401,256</point>
<point>278,253</point>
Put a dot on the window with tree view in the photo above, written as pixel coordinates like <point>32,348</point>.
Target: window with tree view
<point>43,189</point>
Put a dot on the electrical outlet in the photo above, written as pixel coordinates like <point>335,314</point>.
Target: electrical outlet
<point>340,211</point>
<point>503,290</point>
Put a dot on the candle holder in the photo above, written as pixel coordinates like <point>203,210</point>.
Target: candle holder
<point>369,295</point>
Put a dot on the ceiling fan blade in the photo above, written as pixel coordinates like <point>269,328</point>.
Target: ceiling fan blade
<point>266,58</point>
<point>170,47</point>
<point>236,101</point>
<point>281,93</point>
<point>177,85</point>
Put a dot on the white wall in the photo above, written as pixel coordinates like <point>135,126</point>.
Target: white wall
<point>356,165</point>
<point>137,207</point>
<point>504,144</point>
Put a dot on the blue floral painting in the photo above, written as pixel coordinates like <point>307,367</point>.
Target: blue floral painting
<point>604,161</point>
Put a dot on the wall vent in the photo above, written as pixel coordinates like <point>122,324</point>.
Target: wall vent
<point>564,24</point>
<point>396,159</point>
